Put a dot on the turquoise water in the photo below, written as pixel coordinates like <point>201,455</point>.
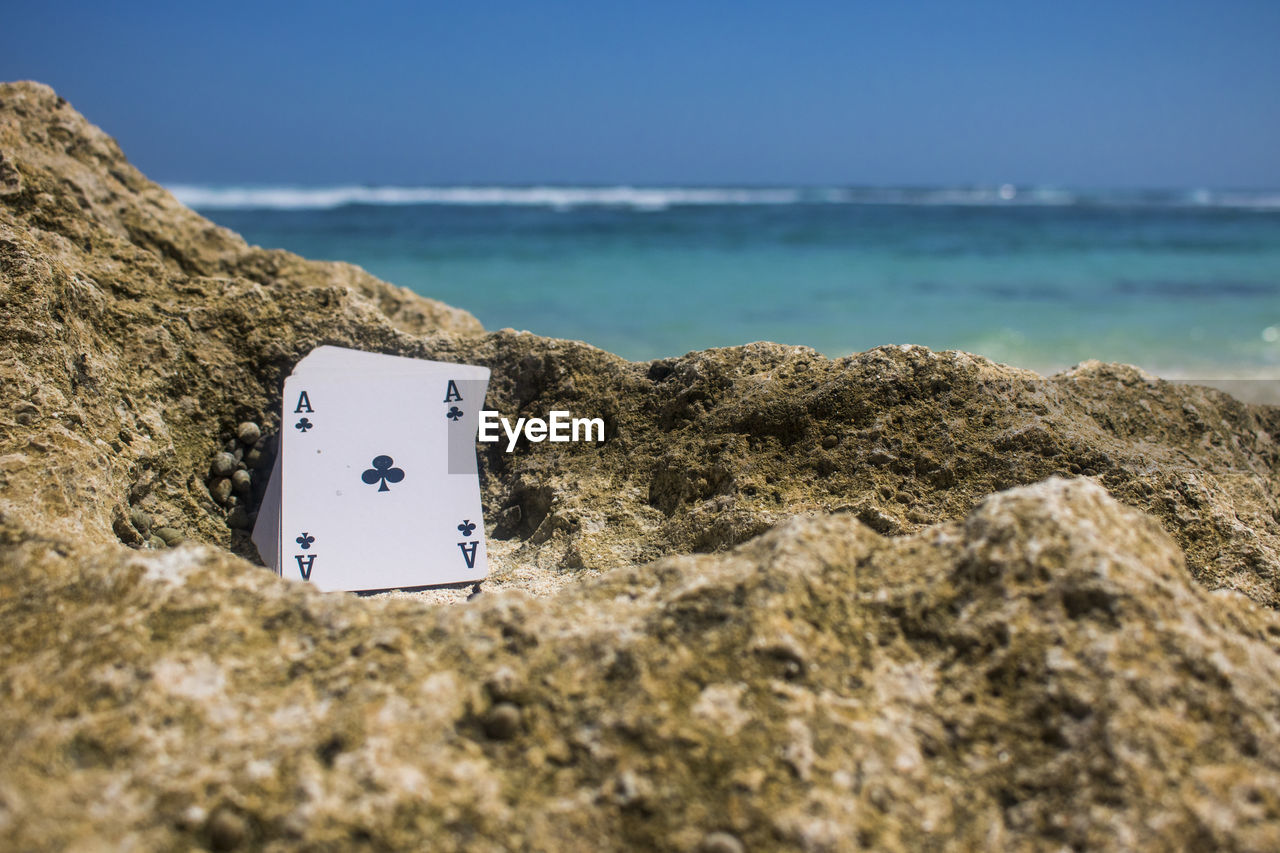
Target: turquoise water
<point>1178,283</point>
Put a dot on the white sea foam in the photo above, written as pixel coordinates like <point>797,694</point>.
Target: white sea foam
<point>1247,201</point>
<point>319,198</point>
<point>211,197</point>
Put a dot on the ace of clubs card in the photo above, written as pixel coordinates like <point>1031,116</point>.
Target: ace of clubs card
<point>377,472</point>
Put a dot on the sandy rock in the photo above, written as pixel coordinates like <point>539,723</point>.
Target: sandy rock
<point>709,450</point>
<point>1044,672</point>
<point>137,334</point>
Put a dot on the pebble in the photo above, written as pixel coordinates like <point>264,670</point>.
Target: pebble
<point>126,531</point>
<point>262,455</point>
<point>141,521</point>
<point>248,432</point>
<point>504,684</point>
<point>720,842</point>
<point>241,482</point>
<point>227,830</point>
<point>220,489</point>
<point>238,519</point>
<point>880,457</point>
<point>502,722</point>
<point>223,464</point>
<point>155,542</point>
<point>829,441</point>
<point>171,535</point>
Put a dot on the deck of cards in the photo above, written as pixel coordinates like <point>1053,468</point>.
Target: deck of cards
<point>375,485</point>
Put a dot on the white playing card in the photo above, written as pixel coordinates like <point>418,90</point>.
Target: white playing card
<point>459,390</point>
<point>367,498</point>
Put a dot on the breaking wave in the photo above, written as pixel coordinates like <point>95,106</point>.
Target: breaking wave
<point>215,197</point>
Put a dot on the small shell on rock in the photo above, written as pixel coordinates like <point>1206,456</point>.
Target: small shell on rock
<point>241,482</point>
<point>220,489</point>
<point>226,829</point>
<point>140,520</point>
<point>156,542</point>
<point>223,464</point>
<point>504,685</point>
<point>248,432</point>
<point>238,519</point>
<point>502,722</point>
<point>720,842</point>
<point>171,535</point>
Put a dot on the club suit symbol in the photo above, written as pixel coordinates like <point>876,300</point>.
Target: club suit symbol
<point>466,527</point>
<point>454,413</point>
<point>382,473</point>
<point>304,425</point>
<point>305,540</point>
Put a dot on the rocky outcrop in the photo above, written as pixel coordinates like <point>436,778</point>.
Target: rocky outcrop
<point>898,597</point>
<point>1042,674</point>
<point>713,448</point>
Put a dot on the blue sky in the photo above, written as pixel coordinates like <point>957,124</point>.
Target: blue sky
<point>1091,94</point>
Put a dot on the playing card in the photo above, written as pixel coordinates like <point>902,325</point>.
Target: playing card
<point>367,500</point>
<point>466,385</point>
<point>322,485</point>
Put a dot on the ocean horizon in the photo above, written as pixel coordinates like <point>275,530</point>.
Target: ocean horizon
<point>1180,282</point>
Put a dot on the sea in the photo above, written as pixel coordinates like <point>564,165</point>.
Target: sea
<point>1183,283</point>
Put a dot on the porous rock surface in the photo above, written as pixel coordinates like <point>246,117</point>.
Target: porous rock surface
<point>904,630</point>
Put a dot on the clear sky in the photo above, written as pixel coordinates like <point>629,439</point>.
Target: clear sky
<point>1183,93</point>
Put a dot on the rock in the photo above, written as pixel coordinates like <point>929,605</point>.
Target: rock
<point>140,520</point>
<point>504,685</point>
<point>125,531</point>
<point>220,490</point>
<point>248,433</point>
<point>226,830</point>
<point>171,535</point>
<point>720,842</point>
<point>238,519</point>
<point>170,325</point>
<point>502,722</point>
<point>1046,657</point>
<point>1032,658</point>
<point>223,464</point>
